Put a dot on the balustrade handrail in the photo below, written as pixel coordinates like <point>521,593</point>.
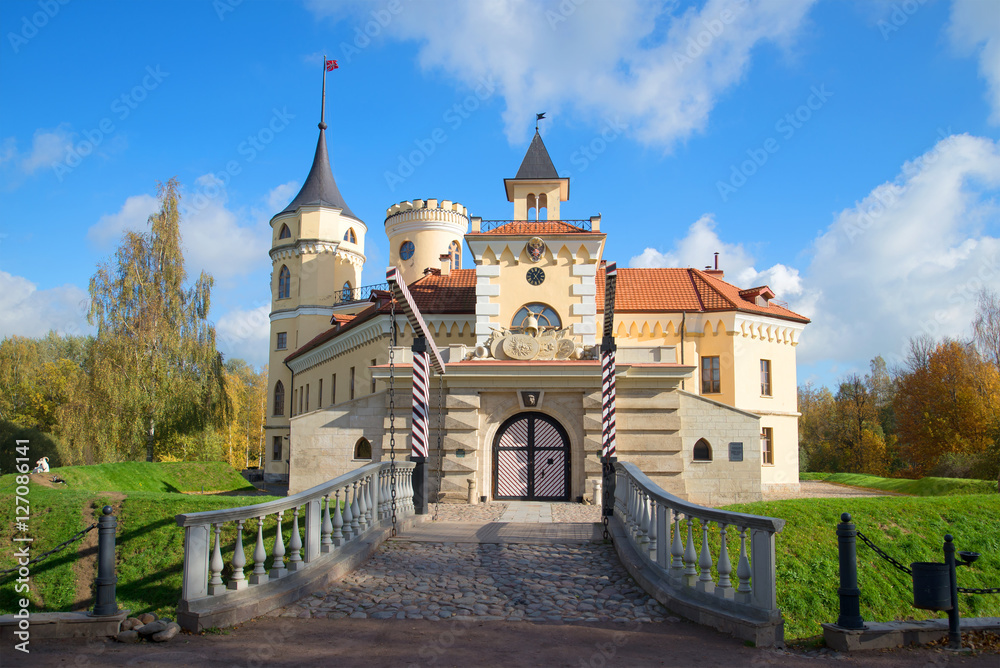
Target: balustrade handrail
<point>281,505</point>
<point>518,226</point>
<point>772,524</point>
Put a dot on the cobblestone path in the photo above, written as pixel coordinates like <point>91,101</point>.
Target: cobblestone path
<point>561,582</point>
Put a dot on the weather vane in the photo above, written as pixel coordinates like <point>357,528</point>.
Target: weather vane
<point>538,117</point>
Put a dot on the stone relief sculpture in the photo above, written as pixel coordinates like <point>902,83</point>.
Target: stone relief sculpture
<point>531,343</point>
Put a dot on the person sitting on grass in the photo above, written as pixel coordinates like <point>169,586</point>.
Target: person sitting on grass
<point>42,465</point>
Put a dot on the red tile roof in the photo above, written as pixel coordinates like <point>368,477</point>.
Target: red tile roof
<point>536,227</point>
<point>672,290</point>
<point>454,293</point>
<point>343,323</point>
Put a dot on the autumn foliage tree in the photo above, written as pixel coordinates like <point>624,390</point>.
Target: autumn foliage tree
<point>157,379</point>
<point>947,404</point>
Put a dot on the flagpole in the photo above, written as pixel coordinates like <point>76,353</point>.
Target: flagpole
<point>322,109</point>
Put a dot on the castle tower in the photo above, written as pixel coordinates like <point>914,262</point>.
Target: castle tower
<point>421,231</point>
<point>537,185</point>
<point>317,252</point>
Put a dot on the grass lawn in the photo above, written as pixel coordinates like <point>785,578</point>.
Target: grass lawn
<point>154,477</point>
<point>922,487</point>
<point>908,528</point>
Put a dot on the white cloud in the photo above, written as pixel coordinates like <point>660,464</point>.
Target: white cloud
<point>244,333</point>
<point>28,311</point>
<point>48,148</point>
<point>909,258</point>
<point>655,67</point>
<point>279,196</point>
<point>975,26</point>
<point>134,215</point>
<point>215,238</point>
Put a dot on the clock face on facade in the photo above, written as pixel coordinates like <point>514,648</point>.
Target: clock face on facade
<point>535,276</point>
<point>406,250</point>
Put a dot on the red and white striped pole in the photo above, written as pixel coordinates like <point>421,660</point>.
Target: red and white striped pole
<point>421,395</point>
<point>608,399</point>
<point>608,448</point>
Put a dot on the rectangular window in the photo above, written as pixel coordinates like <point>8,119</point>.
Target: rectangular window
<point>333,389</point>
<point>307,397</point>
<point>295,394</point>
<point>276,448</point>
<point>765,378</point>
<point>710,379</point>
<point>352,384</point>
<point>319,399</point>
<point>302,395</point>
<point>282,341</point>
<point>767,445</point>
<point>374,362</point>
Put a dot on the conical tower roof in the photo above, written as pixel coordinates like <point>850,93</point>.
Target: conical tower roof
<point>320,187</point>
<point>537,164</point>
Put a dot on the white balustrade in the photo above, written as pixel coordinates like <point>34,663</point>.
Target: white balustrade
<point>661,527</point>
<point>329,525</point>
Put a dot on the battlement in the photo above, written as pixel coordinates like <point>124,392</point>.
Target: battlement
<point>426,204</point>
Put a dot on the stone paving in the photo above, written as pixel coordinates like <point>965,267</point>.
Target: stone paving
<point>563,582</point>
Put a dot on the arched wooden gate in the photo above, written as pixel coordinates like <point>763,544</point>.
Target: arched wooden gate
<point>531,459</point>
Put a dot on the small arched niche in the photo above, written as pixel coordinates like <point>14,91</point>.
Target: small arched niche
<point>363,449</point>
<point>702,451</point>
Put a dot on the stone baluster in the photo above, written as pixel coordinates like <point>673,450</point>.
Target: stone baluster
<point>348,517</point>
<point>278,569</point>
<point>383,509</point>
<point>662,556</point>
<point>326,542</point>
<point>338,521</point>
<point>407,488</point>
<point>690,556</point>
<point>362,496</point>
<point>373,492</point>
<point>705,582</point>
<point>744,592</point>
<point>677,550</point>
<point>239,579</point>
<point>259,574</point>
<point>630,508</point>
<point>295,562</point>
<point>355,512</point>
<point>652,528</point>
<point>642,513</point>
<point>724,588</point>
<point>215,585</point>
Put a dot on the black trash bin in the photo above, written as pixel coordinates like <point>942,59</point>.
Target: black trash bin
<point>931,586</point>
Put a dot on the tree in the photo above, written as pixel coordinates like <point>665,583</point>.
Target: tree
<point>816,441</point>
<point>947,404</point>
<point>986,326</point>
<point>156,374</point>
<point>244,431</point>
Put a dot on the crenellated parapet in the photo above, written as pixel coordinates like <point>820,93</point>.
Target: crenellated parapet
<point>420,231</point>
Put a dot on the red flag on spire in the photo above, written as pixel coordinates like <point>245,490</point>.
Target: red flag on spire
<point>332,65</point>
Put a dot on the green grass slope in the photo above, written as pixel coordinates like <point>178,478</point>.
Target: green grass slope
<point>921,487</point>
<point>152,477</point>
<point>908,528</point>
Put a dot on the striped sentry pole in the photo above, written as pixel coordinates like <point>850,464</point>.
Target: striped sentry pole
<point>608,403</point>
<point>421,399</point>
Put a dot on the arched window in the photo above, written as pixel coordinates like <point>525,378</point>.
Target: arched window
<point>406,250</point>
<point>284,232</point>
<point>350,236</point>
<point>547,318</point>
<point>702,451</point>
<point>279,398</point>
<point>345,294</point>
<point>455,250</point>
<point>284,283</point>
<point>362,449</point>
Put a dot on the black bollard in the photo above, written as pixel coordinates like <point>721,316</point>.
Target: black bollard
<point>850,595</point>
<point>105,603</point>
<point>954,632</point>
<point>420,483</point>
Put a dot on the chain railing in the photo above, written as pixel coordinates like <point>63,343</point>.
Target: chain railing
<point>45,555</point>
<point>887,557</point>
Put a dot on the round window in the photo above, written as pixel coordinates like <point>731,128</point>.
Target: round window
<point>406,250</point>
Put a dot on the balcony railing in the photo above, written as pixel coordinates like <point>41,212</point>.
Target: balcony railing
<point>530,226</point>
<point>361,294</point>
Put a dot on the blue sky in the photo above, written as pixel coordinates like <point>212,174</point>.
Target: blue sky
<point>845,153</point>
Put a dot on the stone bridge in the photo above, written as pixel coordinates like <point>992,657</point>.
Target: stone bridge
<point>517,561</point>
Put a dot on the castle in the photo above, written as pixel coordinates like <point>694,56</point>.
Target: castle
<point>706,380</point>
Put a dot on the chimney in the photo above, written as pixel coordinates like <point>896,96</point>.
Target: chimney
<point>716,272</point>
<point>445,264</point>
